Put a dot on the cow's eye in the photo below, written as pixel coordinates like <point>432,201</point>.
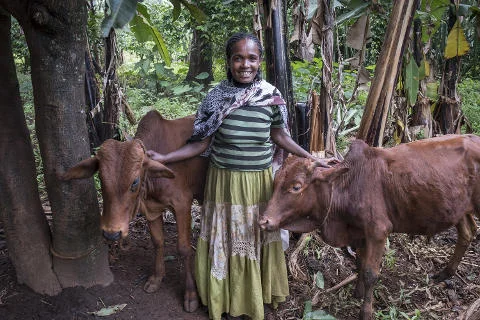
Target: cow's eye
<point>135,184</point>
<point>296,187</point>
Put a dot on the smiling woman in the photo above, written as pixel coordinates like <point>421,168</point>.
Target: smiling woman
<point>238,266</point>
<point>244,61</point>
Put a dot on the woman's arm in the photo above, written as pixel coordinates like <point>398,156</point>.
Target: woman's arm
<point>188,151</point>
<point>283,140</point>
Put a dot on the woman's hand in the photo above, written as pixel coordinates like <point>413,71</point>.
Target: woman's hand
<point>325,162</point>
<point>156,156</point>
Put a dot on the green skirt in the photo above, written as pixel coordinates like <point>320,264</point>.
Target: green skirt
<point>238,267</point>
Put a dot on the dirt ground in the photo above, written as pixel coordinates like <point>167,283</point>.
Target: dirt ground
<point>404,286</point>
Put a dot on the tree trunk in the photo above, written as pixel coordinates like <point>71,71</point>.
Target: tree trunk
<point>111,104</point>
<point>324,19</point>
<point>55,33</point>
<point>276,55</point>
<point>386,73</point>
<point>447,111</point>
<point>200,58</point>
<point>26,228</point>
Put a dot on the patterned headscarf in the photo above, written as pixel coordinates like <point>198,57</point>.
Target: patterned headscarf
<point>226,97</point>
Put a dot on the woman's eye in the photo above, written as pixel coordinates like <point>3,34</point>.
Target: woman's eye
<point>135,184</point>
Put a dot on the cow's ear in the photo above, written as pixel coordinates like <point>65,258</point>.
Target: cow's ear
<point>328,175</point>
<point>157,170</point>
<point>84,169</point>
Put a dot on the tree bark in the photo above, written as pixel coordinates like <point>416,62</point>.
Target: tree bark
<point>55,33</point>
<point>447,112</point>
<point>201,59</point>
<point>324,19</point>
<point>26,228</point>
<point>386,73</point>
<point>276,55</point>
<point>112,102</point>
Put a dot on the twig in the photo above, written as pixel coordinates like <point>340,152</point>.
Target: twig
<point>471,310</point>
<point>344,282</point>
<point>434,307</point>
<point>292,263</point>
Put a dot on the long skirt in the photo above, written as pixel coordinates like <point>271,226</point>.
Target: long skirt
<point>238,267</point>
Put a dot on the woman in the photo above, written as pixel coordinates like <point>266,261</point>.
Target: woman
<point>238,267</point>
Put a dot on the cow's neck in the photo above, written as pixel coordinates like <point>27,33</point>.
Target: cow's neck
<point>332,226</point>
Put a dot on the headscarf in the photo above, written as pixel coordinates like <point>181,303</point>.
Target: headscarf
<point>225,98</point>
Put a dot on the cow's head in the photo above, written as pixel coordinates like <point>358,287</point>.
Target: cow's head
<point>301,195</point>
<point>122,168</point>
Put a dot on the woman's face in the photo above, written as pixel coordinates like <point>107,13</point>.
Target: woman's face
<point>244,61</point>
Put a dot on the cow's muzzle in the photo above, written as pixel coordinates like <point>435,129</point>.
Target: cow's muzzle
<point>112,236</point>
<point>267,224</point>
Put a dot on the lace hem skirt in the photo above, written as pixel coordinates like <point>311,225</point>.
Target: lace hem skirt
<point>238,266</point>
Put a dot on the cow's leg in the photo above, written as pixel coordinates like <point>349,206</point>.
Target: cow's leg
<point>184,220</point>
<point>466,230</point>
<point>156,230</point>
<point>360,287</point>
<point>371,262</point>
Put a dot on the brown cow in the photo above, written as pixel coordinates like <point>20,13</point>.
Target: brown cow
<point>132,182</point>
<point>422,187</point>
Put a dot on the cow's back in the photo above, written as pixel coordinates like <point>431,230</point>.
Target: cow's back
<point>164,136</point>
<point>428,185</point>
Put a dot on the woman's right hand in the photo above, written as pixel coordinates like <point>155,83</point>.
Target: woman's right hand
<point>156,156</point>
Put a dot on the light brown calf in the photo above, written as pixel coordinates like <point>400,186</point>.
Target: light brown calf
<point>422,187</point>
<point>132,183</point>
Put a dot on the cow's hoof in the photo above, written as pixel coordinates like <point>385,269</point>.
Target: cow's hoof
<point>152,285</point>
<point>190,305</point>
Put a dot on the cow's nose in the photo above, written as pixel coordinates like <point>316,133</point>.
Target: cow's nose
<point>263,222</point>
<point>112,236</point>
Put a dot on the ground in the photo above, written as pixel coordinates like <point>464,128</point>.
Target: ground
<point>404,285</point>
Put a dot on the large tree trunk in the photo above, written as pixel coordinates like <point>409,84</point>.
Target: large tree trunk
<point>55,33</point>
<point>26,228</point>
<point>201,59</point>
<point>386,73</point>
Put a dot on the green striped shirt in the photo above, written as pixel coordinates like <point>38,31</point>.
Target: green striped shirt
<point>242,142</point>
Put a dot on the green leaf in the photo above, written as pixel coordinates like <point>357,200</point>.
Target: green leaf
<point>196,13</point>
<point>358,9</point>
<point>307,310</point>
<point>457,44</point>
<point>411,82</point>
<point>107,311</point>
<point>319,315</point>
<point>141,31</point>
<point>181,89</point>
<point>201,76</point>
<point>432,15</point>
<point>121,12</point>
<point>432,90</point>
<point>319,281</point>
<point>144,30</point>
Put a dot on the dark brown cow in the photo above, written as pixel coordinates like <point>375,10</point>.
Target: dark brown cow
<point>422,187</point>
<point>132,182</point>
